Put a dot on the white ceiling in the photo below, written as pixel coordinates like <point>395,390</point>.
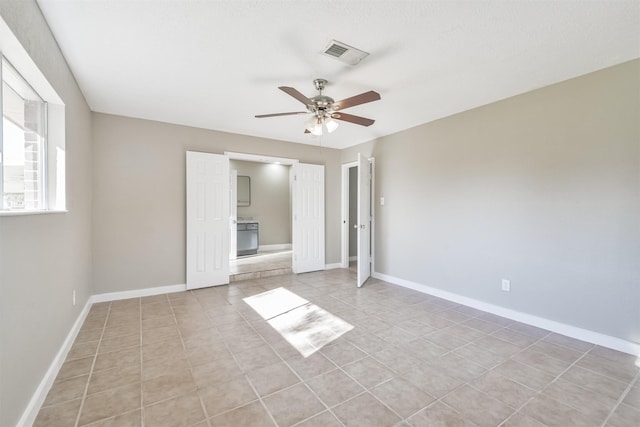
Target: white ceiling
<point>215,64</point>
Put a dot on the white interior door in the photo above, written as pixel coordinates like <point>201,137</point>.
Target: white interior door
<point>364,219</point>
<point>207,220</point>
<point>308,218</point>
<point>233,215</point>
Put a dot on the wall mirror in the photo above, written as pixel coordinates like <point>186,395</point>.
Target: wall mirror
<point>244,191</point>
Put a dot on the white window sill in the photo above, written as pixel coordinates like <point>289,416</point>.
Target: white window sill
<point>17,213</point>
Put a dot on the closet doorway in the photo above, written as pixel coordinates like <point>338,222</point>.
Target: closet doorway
<point>357,217</point>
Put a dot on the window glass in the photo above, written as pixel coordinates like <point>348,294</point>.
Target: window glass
<point>23,143</point>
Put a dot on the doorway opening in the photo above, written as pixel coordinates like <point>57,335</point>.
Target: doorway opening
<point>210,224</point>
<point>261,209</point>
<point>357,217</point>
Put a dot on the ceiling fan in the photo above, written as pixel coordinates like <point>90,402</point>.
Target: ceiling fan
<point>325,110</point>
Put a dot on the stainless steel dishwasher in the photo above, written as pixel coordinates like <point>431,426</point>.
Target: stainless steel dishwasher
<point>248,238</point>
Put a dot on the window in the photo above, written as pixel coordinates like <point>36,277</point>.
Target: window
<point>32,134</point>
<point>23,144</point>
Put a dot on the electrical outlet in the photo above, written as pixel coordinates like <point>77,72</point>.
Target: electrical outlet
<point>73,297</point>
<point>381,201</point>
<point>506,285</point>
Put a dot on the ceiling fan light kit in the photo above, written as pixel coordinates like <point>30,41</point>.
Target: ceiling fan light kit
<point>319,125</point>
<point>325,109</point>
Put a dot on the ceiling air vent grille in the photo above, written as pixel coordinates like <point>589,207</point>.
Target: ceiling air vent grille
<point>336,50</point>
<point>344,53</point>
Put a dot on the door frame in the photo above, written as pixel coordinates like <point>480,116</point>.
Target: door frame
<point>233,214</point>
<point>257,158</point>
<point>265,159</point>
<point>344,260</point>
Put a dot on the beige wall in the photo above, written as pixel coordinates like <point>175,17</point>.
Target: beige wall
<point>43,258</point>
<point>270,200</point>
<point>139,196</point>
<point>542,189</point>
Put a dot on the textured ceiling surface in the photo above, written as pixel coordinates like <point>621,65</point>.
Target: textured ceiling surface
<point>215,64</point>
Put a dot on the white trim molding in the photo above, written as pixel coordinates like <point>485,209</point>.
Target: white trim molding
<point>137,293</point>
<point>31,411</point>
<point>333,266</point>
<point>540,322</point>
<point>275,247</point>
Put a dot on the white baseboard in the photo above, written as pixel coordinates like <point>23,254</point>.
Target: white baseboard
<point>540,322</point>
<point>31,411</point>
<point>137,293</point>
<point>277,247</point>
<point>333,266</point>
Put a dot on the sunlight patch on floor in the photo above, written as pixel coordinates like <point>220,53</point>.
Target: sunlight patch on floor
<point>304,325</point>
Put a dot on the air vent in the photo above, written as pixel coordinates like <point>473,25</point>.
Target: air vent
<point>344,53</point>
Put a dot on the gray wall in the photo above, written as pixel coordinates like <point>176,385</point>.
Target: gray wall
<point>43,258</point>
<point>542,189</point>
<point>139,196</point>
<point>270,198</point>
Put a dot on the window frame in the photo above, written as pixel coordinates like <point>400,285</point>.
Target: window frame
<point>44,161</point>
<point>54,151</point>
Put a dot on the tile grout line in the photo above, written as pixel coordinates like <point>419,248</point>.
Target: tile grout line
<point>302,381</point>
<point>184,347</point>
<point>368,305</point>
<point>244,375</point>
<point>539,392</point>
<point>452,351</point>
<point>93,364</point>
<point>621,398</point>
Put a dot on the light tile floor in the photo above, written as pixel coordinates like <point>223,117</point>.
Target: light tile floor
<point>205,358</point>
<point>264,264</point>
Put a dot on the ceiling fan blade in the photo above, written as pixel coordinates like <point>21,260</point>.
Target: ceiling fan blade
<point>260,116</point>
<point>297,95</point>
<point>363,121</point>
<point>363,98</point>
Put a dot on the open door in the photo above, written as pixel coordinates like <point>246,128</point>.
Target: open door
<point>207,220</point>
<point>233,215</point>
<point>308,218</point>
<point>364,219</point>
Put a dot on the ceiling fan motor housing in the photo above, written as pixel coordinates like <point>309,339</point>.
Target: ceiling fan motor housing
<point>324,108</point>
